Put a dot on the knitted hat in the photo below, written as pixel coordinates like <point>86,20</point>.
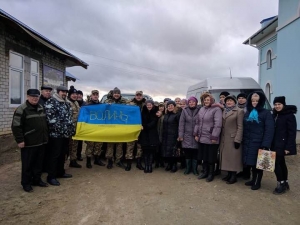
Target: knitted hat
<point>72,90</point>
<point>116,91</point>
<point>230,97</point>
<point>242,95</point>
<point>225,93</point>
<point>192,98</point>
<point>279,99</point>
<point>149,101</point>
<point>79,92</point>
<point>171,102</point>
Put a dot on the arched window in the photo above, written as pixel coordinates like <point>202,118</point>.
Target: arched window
<point>269,59</point>
<point>268,91</point>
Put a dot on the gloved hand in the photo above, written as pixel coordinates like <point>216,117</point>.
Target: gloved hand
<point>237,145</point>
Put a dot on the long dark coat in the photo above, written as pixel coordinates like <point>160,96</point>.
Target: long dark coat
<point>232,131</point>
<point>170,133</point>
<point>285,131</point>
<point>149,135</point>
<point>257,135</point>
<point>187,124</point>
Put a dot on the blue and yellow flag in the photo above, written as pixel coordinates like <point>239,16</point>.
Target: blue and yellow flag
<point>108,123</point>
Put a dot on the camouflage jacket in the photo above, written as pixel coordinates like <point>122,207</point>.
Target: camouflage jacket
<point>116,101</point>
<point>75,108</point>
<point>59,115</point>
<point>138,103</point>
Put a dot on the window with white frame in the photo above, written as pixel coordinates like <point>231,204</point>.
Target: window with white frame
<point>34,74</point>
<point>16,78</point>
<point>269,59</point>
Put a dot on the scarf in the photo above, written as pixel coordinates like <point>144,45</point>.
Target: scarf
<point>228,109</point>
<point>253,116</point>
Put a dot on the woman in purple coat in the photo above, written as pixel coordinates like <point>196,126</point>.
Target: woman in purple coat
<point>207,133</point>
<point>189,145</point>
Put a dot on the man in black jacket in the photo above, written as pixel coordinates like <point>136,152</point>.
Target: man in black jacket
<point>45,95</point>
<point>29,127</point>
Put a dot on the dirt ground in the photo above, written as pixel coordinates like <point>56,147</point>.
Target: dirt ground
<point>102,196</point>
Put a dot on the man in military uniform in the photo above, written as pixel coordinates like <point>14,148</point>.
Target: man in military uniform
<point>93,148</point>
<point>73,144</point>
<point>61,128</point>
<point>115,99</point>
<point>139,101</point>
<point>29,127</point>
<point>45,94</point>
<point>81,102</point>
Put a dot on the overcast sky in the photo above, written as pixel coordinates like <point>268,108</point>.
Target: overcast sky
<point>160,47</point>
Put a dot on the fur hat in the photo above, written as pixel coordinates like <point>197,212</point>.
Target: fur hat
<point>279,99</point>
<point>204,96</point>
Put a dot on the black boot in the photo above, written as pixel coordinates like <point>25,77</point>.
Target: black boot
<point>146,169</point>
<point>280,189</point>
<point>211,173</point>
<point>227,178</point>
<point>98,161</point>
<point>128,167</point>
<point>188,166</point>
<point>150,161</point>
<point>204,172</point>
<point>217,170</point>
<point>109,164</point>
<point>252,181</point>
<point>257,183</point>
<point>74,164</point>
<point>232,179</point>
<point>88,162</point>
<point>287,186</point>
<point>195,167</point>
<point>139,164</point>
<point>174,166</point>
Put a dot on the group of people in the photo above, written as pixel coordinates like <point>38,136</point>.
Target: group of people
<point>224,135</point>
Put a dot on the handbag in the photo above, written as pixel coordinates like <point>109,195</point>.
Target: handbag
<point>266,160</point>
<point>176,149</point>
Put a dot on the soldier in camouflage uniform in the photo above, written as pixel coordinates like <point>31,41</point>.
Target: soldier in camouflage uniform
<point>139,101</point>
<point>116,98</point>
<point>93,148</point>
<point>72,97</point>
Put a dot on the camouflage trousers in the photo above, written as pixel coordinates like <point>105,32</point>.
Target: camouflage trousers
<point>93,148</point>
<point>73,149</point>
<point>130,149</point>
<point>110,151</point>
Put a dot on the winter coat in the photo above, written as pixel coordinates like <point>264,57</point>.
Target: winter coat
<point>285,130</point>
<point>29,125</point>
<point>232,131</point>
<point>187,124</point>
<point>149,134</point>
<point>208,124</point>
<point>170,134</point>
<point>160,127</point>
<point>257,135</point>
<point>138,103</point>
<point>60,117</point>
<point>120,100</point>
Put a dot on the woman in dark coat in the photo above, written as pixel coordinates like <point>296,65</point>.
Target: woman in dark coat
<point>189,145</point>
<point>159,160</point>
<point>149,138</point>
<point>284,142</point>
<point>169,136</point>
<point>258,134</point>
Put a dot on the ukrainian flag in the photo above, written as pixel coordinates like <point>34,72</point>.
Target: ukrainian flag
<point>108,123</point>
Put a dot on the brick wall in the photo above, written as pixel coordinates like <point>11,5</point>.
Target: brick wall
<point>10,42</point>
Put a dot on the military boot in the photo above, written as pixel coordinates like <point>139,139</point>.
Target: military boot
<point>74,164</point>
<point>109,164</point>
<point>128,166</point>
<point>98,161</point>
<point>88,162</point>
<point>139,164</point>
